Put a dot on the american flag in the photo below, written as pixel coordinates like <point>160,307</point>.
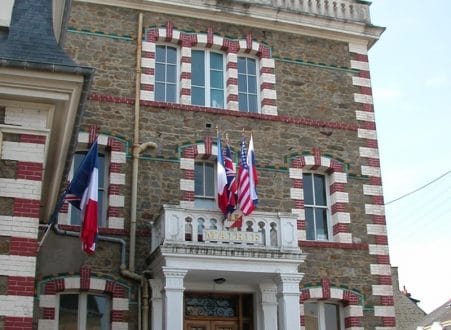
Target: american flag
<point>244,184</point>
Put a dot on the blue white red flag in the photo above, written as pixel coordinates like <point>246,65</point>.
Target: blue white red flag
<point>244,185</point>
<point>231,181</point>
<point>221,179</point>
<point>253,177</point>
<point>82,193</point>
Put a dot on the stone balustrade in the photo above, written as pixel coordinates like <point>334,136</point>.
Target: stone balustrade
<point>206,227</point>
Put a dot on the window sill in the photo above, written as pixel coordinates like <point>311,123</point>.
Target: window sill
<point>102,231</point>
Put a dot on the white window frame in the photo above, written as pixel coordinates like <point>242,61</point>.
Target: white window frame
<point>82,308</point>
<point>257,82</point>
<point>103,221</point>
<point>177,73</point>
<point>321,312</point>
<point>207,69</point>
<point>204,198</point>
<point>327,207</point>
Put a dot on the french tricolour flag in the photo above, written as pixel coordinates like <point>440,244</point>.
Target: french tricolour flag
<point>222,179</point>
<point>82,192</point>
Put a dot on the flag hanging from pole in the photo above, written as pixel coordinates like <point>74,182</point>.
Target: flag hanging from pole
<point>82,193</point>
<point>253,177</point>
<point>231,180</point>
<point>221,179</point>
<point>244,185</point>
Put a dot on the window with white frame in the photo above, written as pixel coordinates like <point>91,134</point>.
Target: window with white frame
<point>81,311</point>
<point>207,79</point>
<point>75,214</point>
<point>166,73</point>
<point>247,85</point>
<point>323,315</point>
<point>204,185</point>
<point>316,207</point>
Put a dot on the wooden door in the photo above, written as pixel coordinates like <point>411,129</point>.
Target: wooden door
<point>224,325</point>
<point>197,325</point>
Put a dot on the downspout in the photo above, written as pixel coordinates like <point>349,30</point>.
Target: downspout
<point>136,151</point>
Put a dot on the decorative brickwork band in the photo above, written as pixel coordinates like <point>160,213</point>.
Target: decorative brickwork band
<point>231,49</point>
<point>337,178</point>
<point>375,208</point>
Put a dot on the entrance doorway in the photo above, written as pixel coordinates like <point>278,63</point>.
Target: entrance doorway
<point>218,311</point>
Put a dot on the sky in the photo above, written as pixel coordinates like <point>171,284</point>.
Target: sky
<point>411,80</point>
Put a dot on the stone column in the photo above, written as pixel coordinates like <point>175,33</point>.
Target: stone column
<point>173,298</point>
<point>288,295</point>
<point>268,293</point>
<point>156,303</point>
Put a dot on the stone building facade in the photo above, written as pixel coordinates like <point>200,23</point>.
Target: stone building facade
<point>295,74</point>
<point>408,314</point>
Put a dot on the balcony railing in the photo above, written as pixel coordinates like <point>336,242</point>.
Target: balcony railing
<point>357,11</point>
<point>339,9</point>
<point>205,227</point>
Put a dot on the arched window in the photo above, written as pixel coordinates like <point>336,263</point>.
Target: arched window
<point>323,315</point>
<point>83,311</point>
<point>207,78</point>
<point>316,206</point>
<point>166,73</point>
<point>204,187</point>
<point>247,84</point>
<point>102,203</point>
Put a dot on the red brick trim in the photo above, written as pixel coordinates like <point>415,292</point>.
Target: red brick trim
<point>26,207</point>
<point>185,107</point>
<point>20,286</point>
<point>18,323</point>
<point>333,245</point>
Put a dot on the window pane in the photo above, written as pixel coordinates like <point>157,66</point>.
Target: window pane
<point>170,93</point>
<point>160,55</point>
<point>160,92</point>
<point>332,316</point>
<point>216,61</point>
<point>217,98</point>
<point>320,190</point>
<point>253,107</point>
<point>252,84</point>
<point>311,316</point>
<point>97,313</point>
<point>216,79</point>
<point>159,72</point>
<point>242,102</point>
<point>199,179</point>
<point>171,73</point>
<point>209,180</point>
<point>101,171</point>
<point>308,189</point>
<point>242,65</point>
<point>171,55</point>
<point>197,95</point>
<point>310,223</point>
<point>242,83</point>
<point>251,66</point>
<point>198,68</point>
<point>68,312</point>
<point>321,223</point>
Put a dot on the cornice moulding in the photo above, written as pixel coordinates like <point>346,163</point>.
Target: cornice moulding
<point>264,17</point>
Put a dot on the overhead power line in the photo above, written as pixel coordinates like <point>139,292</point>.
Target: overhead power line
<point>420,188</point>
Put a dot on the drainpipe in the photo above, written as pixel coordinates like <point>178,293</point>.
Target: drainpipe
<point>136,151</point>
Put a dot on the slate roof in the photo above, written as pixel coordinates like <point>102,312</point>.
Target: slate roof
<point>443,313</point>
<point>31,37</point>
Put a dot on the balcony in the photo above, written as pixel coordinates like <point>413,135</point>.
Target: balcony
<point>201,228</point>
